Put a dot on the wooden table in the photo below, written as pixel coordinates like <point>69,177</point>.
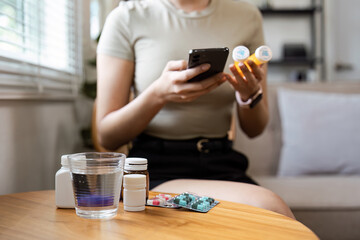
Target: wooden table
<point>33,215</point>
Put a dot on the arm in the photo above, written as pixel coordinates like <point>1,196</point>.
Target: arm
<point>113,108</point>
<point>118,120</point>
<point>252,121</point>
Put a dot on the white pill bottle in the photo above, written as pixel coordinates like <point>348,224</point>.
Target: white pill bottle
<point>64,194</point>
<point>134,192</point>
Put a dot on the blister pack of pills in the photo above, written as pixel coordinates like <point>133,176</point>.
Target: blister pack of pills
<point>161,200</point>
<point>194,202</point>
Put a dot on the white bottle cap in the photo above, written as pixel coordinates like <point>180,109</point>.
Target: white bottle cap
<point>134,163</point>
<point>134,181</point>
<point>240,53</point>
<point>263,54</point>
<point>65,160</point>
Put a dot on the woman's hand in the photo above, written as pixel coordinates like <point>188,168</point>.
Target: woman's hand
<point>252,121</point>
<point>249,85</point>
<point>173,85</point>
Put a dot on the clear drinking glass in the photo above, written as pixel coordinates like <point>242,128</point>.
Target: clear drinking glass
<point>96,179</point>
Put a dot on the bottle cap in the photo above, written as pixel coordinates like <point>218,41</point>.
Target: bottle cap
<point>263,54</point>
<point>136,160</point>
<point>65,160</point>
<point>240,53</point>
<point>135,181</point>
<point>134,163</point>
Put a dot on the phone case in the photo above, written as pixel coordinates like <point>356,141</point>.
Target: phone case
<point>216,57</point>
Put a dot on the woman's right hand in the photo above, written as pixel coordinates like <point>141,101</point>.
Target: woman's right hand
<point>173,85</point>
<point>114,111</point>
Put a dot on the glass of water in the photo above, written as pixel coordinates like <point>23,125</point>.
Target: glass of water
<point>96,179</point>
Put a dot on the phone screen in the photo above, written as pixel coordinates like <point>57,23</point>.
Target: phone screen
<point>216,57</point>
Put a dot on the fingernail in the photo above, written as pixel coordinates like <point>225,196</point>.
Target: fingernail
<point>241,64</point>
<point>205,66</point>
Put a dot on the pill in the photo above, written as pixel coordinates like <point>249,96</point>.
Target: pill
<point>194,205</point>
<point>183,203</point>
<point>201,207</point>
<point>193,202</point>
<point>165,196</point>
<point>207,199</point>
<point>192,197</point>
<point>156,201</point>
<point>185,199</point>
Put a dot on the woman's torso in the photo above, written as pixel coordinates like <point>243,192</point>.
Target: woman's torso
<point>157,32</point>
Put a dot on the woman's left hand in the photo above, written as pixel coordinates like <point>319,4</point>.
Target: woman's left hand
<point>250,84</point>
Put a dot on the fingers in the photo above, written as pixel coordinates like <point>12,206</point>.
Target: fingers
<point>249,77</point>
<point>256,70</point>
<point>190,91</point>
<point>232,80</point>
<point>186,75</point>
<point>215,80</point>
<point>175,80</point>
<point>235,72</point>
<point>176,65</point>
<point>248,84</point>
<point>250,72</point>
<point>195,93</point>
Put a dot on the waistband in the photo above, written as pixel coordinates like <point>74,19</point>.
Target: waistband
<point>200,145</point>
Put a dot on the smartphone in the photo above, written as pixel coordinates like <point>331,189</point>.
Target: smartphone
<point>216,57</point>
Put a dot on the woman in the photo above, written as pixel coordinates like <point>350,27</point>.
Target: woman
<point>182,127</point>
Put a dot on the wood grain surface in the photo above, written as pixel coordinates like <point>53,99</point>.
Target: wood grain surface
<point>33,215</point>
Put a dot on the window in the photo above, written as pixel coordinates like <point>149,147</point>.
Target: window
<point>40,48</point>
<point>94,19</point>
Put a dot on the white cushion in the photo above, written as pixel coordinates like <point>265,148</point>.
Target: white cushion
<point>316,192</point>
<point>321,133</point>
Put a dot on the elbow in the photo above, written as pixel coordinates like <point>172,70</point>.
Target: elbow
<point>255,131</point>
<point>106,144</point>
<point>106,140</point>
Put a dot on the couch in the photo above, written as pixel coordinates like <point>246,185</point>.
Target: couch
<point>311,162</point>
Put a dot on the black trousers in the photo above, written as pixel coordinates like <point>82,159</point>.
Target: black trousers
<point>198,158</point>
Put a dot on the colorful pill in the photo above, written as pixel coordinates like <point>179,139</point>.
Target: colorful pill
<point>198,206</point>
<point>153,202</point>
<point>205,203</point>
<point>187,199</point>
<point>207,199</point>
<point>156,201</point>
<point>164,196</point>
<point>193,202</point>
<point>201,207</point>
<point>190,197</point>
